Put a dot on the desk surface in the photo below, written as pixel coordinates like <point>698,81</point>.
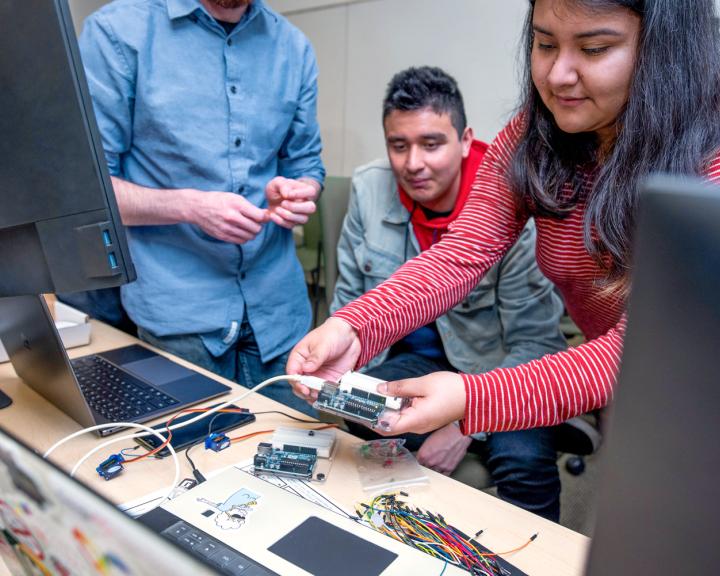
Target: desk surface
<point>556,552</point>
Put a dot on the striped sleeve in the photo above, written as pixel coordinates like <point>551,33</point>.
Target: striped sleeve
<point>546,391</point>
<point>436,280</point>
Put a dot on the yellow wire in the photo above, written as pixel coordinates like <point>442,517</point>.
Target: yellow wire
<point>34,559</point>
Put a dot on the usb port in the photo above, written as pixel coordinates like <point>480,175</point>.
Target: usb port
<point>106,237</point>
<point>113,260</point>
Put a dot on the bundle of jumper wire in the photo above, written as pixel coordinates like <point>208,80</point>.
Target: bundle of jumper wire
<point>430,533</point>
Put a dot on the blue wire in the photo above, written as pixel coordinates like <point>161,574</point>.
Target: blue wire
<point>444,568</point>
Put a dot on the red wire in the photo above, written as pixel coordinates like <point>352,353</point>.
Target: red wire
<point>169,437</point>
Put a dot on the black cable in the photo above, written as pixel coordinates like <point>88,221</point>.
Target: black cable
<point>195,472</point>
<point>198,475</point>
<point>212,420</point>
<point>287,416</point>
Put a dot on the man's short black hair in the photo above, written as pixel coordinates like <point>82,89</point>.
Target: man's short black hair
<point>426,87</point>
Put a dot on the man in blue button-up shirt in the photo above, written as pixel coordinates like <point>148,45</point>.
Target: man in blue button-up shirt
<point>207,110</point>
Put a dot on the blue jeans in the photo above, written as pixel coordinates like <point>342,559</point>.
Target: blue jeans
<point>522,464</point>
<point>241,363</point>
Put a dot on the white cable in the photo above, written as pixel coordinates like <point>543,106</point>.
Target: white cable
<point>150,431</point>
<point>176,461</point>
<point>174,426</point>
<point>128,437</point>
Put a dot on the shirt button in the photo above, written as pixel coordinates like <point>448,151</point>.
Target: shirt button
<point>233,89</point>
<point>229,41</point>
<point>242,275</point>
<point>241,189</point>
<point>238,141</point>
<point>367,267</point>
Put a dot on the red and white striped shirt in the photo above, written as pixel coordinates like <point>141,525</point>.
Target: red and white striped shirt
<point>543,392</point>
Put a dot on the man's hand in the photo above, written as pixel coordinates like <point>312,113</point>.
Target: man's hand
<point>327,352</point>
<point>437,399</point>
<point>290,202</point>
<point>444,449</point>
<point>228,217</point>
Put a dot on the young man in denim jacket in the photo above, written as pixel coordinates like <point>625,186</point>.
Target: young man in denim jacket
<point>403,206</point>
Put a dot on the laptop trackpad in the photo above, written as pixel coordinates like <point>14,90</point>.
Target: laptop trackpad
<point>157,370</point>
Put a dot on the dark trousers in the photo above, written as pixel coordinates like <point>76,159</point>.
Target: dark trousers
<point>241,363</point>
<point>522,464</point>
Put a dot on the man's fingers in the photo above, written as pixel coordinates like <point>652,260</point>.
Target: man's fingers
<point>299,192</point>
<point>245,209</point>
<point>231,235</point>
<point>240,225</point>
<point>306,207</point>
<point>252,212</point>
<point>290,216</point>
<point>280,221</point>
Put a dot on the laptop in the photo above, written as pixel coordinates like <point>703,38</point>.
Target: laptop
<point>51,524</point>
<point>659,502</point>
<point>130,384</point>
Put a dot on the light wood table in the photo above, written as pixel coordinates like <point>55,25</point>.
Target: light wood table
<point>557,551</point>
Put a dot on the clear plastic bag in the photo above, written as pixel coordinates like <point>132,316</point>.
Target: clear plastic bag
<point>386,464</point>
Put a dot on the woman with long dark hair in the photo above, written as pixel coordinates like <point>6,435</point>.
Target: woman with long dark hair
<point>615,90</point>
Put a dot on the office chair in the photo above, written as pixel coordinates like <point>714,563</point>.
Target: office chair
<point>333,207</point>
<point>318,251</point>
<point>309,252</point>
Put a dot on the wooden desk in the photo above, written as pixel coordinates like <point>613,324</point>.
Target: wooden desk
<point>556,552</point>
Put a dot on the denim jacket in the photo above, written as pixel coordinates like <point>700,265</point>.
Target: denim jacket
<point>509,318</point>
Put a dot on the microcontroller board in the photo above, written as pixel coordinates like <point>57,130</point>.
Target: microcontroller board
<point>357,405</point>
<point>293,461</point>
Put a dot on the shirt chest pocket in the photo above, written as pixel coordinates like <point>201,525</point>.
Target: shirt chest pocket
<point>375,265</point>
<point>269,127</point>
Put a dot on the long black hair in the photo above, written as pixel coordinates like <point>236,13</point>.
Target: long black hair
<point>670,123</point>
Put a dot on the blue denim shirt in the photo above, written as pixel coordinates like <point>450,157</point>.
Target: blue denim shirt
<point>511,317</point>
<point>182,104</point>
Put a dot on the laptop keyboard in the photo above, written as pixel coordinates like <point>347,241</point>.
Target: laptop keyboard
<point>227,560</point>
<point>115,394</point>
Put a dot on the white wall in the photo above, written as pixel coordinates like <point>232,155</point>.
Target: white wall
<point>80,9</point>
<point>361,44</point>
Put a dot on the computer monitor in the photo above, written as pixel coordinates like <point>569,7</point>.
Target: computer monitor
<point>659,502</point>
<point>60,229</point>
<point>52,524</point>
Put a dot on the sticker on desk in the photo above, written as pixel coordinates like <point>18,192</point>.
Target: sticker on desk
<point>233,513</point>
<point>302,488</point>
